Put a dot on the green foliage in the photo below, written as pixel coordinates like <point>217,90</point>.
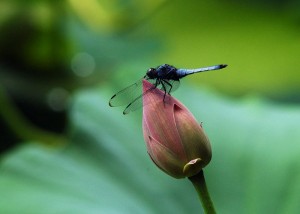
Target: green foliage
<point>105,168</point>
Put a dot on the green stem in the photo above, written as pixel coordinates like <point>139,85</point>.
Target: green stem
<point>199,183</point>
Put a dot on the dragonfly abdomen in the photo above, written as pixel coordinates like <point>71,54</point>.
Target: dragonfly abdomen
<point>184,72</point>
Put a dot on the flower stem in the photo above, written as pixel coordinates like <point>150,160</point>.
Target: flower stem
<point>199,183</point>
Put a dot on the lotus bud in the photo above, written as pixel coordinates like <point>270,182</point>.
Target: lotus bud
<point>175,141</point>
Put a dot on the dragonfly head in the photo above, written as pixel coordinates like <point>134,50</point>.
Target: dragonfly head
<point>152,73</point>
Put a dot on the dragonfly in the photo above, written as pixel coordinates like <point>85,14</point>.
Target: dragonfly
<point>165,77</point>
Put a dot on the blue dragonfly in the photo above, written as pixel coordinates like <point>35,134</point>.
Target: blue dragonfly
<point>165,77</point>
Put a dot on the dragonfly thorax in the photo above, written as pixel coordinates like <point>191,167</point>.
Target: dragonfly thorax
<point>164,71</point>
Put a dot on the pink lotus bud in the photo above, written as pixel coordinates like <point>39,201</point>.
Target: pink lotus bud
<point>175,141</point>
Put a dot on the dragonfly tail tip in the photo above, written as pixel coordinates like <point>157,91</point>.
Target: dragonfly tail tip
<point>223,66</point>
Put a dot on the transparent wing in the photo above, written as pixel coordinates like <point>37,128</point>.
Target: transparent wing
<point>138,102</point>
<point>134,105</point>
<point>175,84</point>
<point>169,85</point>
<point>152,81</point>
<point>127,95</point>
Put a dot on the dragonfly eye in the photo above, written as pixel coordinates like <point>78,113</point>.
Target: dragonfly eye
<point>151,73</point>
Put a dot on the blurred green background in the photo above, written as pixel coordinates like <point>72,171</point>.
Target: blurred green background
<point>63,150</point>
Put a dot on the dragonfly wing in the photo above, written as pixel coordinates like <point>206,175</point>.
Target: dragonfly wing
<point>175,84</point>
<point>137,102</point>
<point>134,105</point>
<point>127,95</point>
<point>169,85</point>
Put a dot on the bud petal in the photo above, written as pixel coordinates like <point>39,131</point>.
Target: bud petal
<point>162,157</point>
<point>192,167</point>
<point>175,141</point>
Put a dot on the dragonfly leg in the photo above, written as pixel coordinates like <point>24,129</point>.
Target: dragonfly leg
<point>169,84</point>
<point>163,88</point>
